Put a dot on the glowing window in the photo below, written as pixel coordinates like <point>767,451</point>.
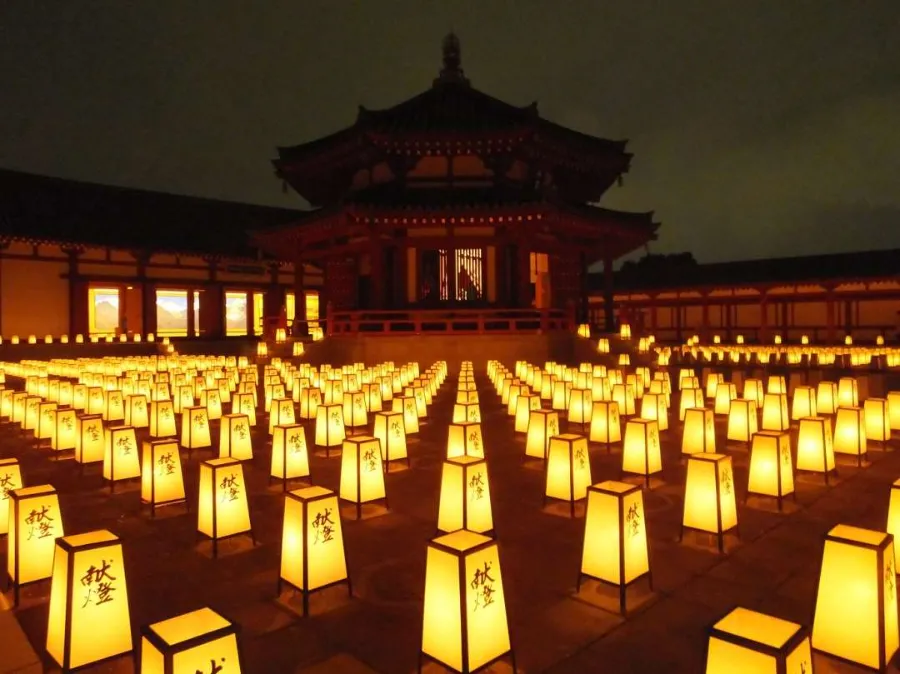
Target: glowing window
<point>172,313</point>
<point>312,308</point>
<point>196,313</point>
<point>103,311</point>
<point>465,271</point>
<point>235,314</point>
<point>290,305</point>
<point>257,313</point>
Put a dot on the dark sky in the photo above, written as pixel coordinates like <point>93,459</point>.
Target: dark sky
<point>759,127</point>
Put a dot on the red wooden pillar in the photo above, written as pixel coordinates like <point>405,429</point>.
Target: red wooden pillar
<point>608,307</point>
<point>524,276</point>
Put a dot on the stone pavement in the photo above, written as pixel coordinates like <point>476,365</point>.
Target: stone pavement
<point>772,568</point>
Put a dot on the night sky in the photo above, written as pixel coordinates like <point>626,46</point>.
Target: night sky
<point>759,127</point>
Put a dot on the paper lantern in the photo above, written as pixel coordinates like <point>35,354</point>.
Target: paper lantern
<point>312,543</point>
<point>606,426</point>
<point>815,446</point>
<point>162,482</point>
<point>199,641</point>
<point>624,396</point>
<point>653,406</point>
<point>113,406</point>
<point>641,450</point>
<point>699,433</point>
<point>120,455</point>
<point>35,522</point>
<point>334,392</point>
<point>355,414</point>
<point>222,501</point>
<point>464,625</point>
<point>893,518</point>
<point>330,426</point>
<point>542,425</point>
<point>372,394</point>
<point>32,414</point>
<point>465,500</point>
<point>465,440</point>
<point>136,411</point>
<point>713,379</point>
<point>235,440</point>
<point>709,499</point>
<point>827,397</point>
<point>755,643</point>
<point>212,400</point>
<point>580,406</point>
<point>281,413</point>
<point>771,465</point>
<point>290,455</point>
<point>243,403</point>
<point>89,618</point>
<point>689,398</point>
<point>464,412</point>
<point>725,393</point>
<point>46,425</point>
<point>195,428</point>
<point>89,439</point>
<point>362,472</point>
<point>847,392</point>
<point>10,478</point>
<point>878,419</point>
<point>407,406</point>
<point>742,420</point>
<point>615,548</point>
<point>389,430</point>
<point>855,615</point>
<point>804,403</point>
<point>850,432</point>
<point>65,432</point>
<point>524,405</point>
<point>775,412</point>
<point>568,473</point>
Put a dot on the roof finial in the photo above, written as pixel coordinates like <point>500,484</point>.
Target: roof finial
<point>452,61</point>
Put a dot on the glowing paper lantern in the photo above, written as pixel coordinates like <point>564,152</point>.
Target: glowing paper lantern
<point>615,537</point>
<point>120,455</point>
<point>290,455</point>
<point>815,448</point>
<point>542,425</point>
<point>195,428</point>
<point>827,397</point>
<point>856,601</point>
<point>699,433</point>
<point>35,522</point>
<point>689,398</point>
<point>281,413</point>
<point>850,432</point>
<point>162,419</point>
<point>848,392</point>
<point>312,543</point>
<point>568,472</point>
<point>775,412</point>
<point>162,482</point>
<point>136,411</point>
<point>804,403</point>
<point>244,403</point>
<point>580,406</point>
<point>88,590</point>
<point>467,412</point>
<point>389,430</point>
<point>709,499</point>
<point>524,405</point>
<point>10,478</point>
<point>893,519</point>
<point>407,405</point>
<point>355,414</point>
<point>755,643</point>
<point>653,406</point>
<point>771,465</point>
<point>465,440</point>
<point>222,501</point>
<point>464,624</point>
<point>330,430</point>
<point>878,419</point>
<point>465,501</point>
<point>641,450</point>
<point>65,432</point>
<point>191,643</point>
<point>362,472</point>
<point>606,425</point>
<point>89,439</point>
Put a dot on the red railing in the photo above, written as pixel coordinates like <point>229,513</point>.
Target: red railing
<point>448,321</point>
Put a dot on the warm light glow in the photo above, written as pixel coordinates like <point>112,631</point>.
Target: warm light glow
<point>775,412</point>
<point>709,499</point>
<point>407,405</point>
<point>362,472</point>
<point>35,522</point>
<point>222,508</point>
<point>120,454</point>
<point>641,451</point>
<point>748,642</point>
<point>850,431</point>
<point>465,500</point>
<point>542,425</point>
<point>290,455</point>
<point>10,478</point>
<point>878,419</point>
<point>188,643</point>
<point>464,617</point>
<point>88,590</point>
<point>848,392</point>
<point>568,468</point>
<point>330,430</point>
<point>195,428</point>
<point>161,476</point>
<point>312,543</point>
<point>606,425</point>
<point>390,432</point>
<point>465,440</point>
<point>699,433</point>
<point>771,464</point>
<point>856,605</point>
<point>815,445</point>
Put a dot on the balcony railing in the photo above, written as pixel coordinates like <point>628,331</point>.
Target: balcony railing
<point>448,322</point>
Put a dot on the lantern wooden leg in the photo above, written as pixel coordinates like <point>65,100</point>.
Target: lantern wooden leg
<point>623,589</point>
<point>305,603</point>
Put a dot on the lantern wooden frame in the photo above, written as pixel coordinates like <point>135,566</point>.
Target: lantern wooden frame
<point>721,464</point>
<point>391,447</point>
<point>352,457</point>
<point>18,498</point>
<point>618,492</point>
<point>817,427</point>
<point>209,469</point>
<point>648,432</point>
<point>306,499</point>
<point>280,464</point>
<point>573,449</point>
<point>785,484</point>
<point>169,650</point>
<point>149,462</point>
<point>793,637</point>
<point>456,475</point>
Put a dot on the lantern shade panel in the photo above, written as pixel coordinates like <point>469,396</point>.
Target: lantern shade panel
<point>235,439</point>
<point>35,522</point>
<point>542,425</point>
<point>850,431</point>
<point>641,451</point>
<point>568,472</point>
<point>391,432</point>
<point>771,464</point>
<point>195,427</point>
<point>709,499</point>
<point>188,643</point>
<point>465,500</point>
<point>162,481</point>
<point>10,478</point>
<point>290,455</point>
<point>330,431</point>
<point>815,445</point>
<point>162,419</point>
<point>362,472</point>
<point>222,508</point>
<point>120,455</point>
<point>699,432</point>
<point>742,420</point>
<point>749,642</point>
<point>856,600</point>
<point>88,590</point>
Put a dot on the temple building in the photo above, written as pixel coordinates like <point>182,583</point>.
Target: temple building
<point>455,199</point>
